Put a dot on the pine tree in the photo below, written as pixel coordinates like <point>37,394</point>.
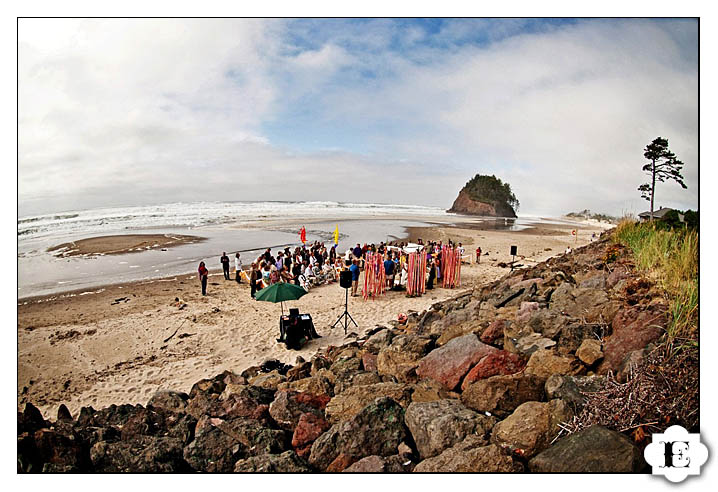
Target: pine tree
<point>663,165</point>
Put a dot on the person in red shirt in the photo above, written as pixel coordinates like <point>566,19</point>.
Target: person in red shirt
<point>478,254</point>
<point>203,273</point>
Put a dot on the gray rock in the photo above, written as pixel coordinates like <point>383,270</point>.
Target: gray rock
<point>377,430</point>
<point>530,343</point>
<point>592,450</point>
<point>438,425</point>
<point>378,341</point>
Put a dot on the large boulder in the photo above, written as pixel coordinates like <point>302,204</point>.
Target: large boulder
<point>219,444</point>
<point>592,450</point>
<point>401,358</point>
<point>633,329</point>
<point>500,395</point>
<point>544,363</point>
<point>548,322</point>
<point>450,363</point>
<point>531,427</point>
<point>494,364</point>
<point>287,462</point>
<point>472,455</point>
<point>377,430</point>
<point>352,400</point>
<point>438,425</point>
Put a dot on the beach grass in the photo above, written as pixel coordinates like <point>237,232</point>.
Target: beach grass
<point>670,257</point>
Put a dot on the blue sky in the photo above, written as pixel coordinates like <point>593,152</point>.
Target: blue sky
<point>138,111</point>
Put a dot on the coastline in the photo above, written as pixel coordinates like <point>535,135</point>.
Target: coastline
<point>107,345</point>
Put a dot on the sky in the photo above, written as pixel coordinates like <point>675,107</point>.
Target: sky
<point>118,112</point>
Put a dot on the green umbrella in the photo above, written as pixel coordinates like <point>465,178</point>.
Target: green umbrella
<point>280,292</point>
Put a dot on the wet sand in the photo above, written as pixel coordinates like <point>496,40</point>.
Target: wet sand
<point>121,343</point>
<point>121,244</point>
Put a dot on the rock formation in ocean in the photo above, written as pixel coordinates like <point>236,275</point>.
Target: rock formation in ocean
<point>486,196</point>
<point>488,381</point>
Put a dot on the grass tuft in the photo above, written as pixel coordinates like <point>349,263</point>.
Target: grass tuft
<point>671,257</point>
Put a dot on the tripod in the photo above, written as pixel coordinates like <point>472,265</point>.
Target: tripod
<point>345,314</point>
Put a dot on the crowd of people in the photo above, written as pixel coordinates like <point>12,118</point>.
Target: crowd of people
<point>315,264</point>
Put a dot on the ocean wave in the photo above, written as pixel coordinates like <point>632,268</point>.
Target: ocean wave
<point>198,214</point>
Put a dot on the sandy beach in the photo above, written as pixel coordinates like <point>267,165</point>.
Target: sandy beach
<point>121,343</point>
<point>121,244</point>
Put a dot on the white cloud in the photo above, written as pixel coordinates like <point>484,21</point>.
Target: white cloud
<point>116,111</point>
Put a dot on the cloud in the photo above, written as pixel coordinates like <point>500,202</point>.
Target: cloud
<point>117,112</point>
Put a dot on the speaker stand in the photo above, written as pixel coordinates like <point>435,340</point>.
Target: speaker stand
<point>345,315</point>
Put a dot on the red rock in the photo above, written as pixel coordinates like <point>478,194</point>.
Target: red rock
<point>450,363</point>
<point>633,329</point>
<point>369,361</point>
<point>316,401</point>
<point>494,331</point>
<point>340,463</point>
<point>310,427</point>
<point>497,363</point>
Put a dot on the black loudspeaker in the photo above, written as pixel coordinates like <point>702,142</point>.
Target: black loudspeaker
<point>345,279</point>
<point>513,250</point>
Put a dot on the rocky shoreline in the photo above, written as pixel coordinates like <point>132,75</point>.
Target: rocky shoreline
<point>494,380</point>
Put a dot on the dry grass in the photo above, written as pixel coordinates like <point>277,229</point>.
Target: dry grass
<point>662,390</point>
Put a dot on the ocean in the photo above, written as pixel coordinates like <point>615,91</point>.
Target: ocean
<point>247,227</point>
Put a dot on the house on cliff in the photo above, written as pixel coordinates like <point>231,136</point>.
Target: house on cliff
<point>658,215</point>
